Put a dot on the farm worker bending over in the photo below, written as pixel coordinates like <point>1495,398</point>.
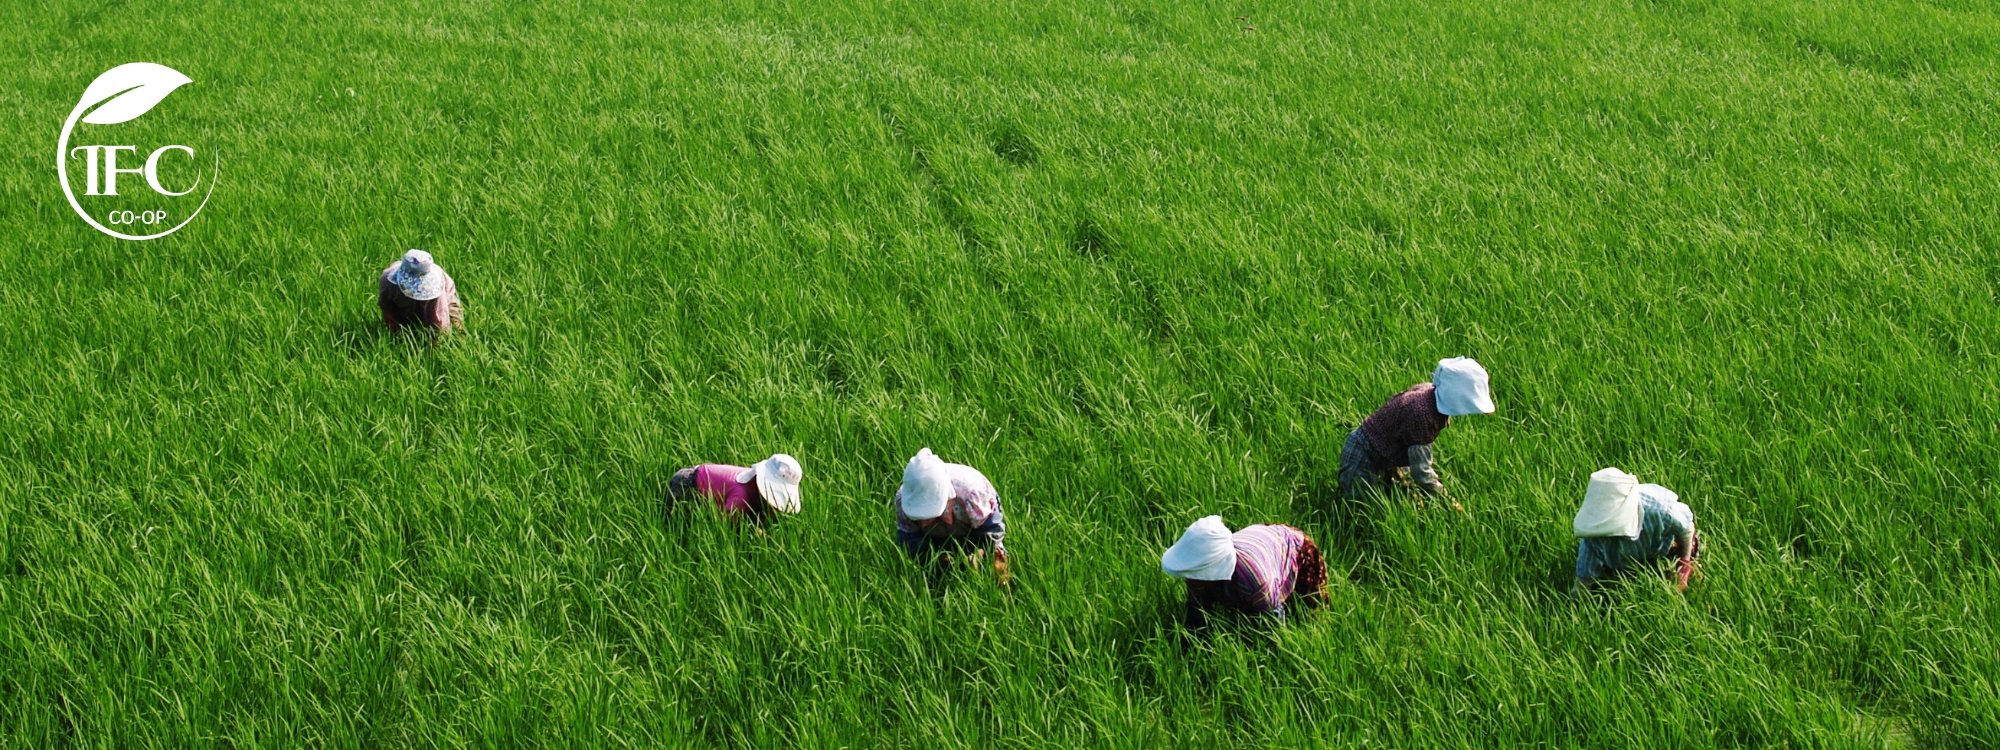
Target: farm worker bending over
<point>945,507</point>
<point>1254,571</point>
<point>415,292</point>
<point>752,492</point>
<point>1624,525</point>
<point>1401,432</point>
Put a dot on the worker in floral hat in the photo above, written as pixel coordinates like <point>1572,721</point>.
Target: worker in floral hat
<point>1256,571</point>
<point>414,291</point>
<point>946,507</point>
<point>1400,433</point>
<point>755,493</point>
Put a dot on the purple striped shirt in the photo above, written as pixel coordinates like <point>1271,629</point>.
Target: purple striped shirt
<point>1267,565</point>
<point>1267,568</point>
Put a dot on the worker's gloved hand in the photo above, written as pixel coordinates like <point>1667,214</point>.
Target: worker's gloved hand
<point>1000,568</point>
<point>1684,570</point>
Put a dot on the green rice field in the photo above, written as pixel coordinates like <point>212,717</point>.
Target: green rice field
<point>1138,261</point>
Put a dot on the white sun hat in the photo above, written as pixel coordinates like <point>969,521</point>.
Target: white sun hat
<point>1205,552</point>
<point>1611,507</point>
<point>1461,387</point>
<point>777,481</point>
<point>418,276</point>
<point>926,486</point>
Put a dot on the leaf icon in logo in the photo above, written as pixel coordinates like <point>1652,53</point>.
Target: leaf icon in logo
<point>128,91</point>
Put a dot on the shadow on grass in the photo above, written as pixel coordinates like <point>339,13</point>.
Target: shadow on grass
<point>359,333</point>
<point>1347,528</point>
<point>686,516</point>
<point>1149,633</point>
<point>944,566</point>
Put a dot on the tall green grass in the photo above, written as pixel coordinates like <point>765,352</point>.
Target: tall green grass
<point>1135,261</point>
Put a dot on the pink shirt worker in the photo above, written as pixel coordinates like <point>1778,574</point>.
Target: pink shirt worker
<point>755,493</point>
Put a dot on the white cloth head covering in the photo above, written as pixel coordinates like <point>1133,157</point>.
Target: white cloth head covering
<point>777,481</point>
<point>1205,552</point>
<point>418,276</point>
<point>1611,507</point>
<point>1659,494</point>
<point>1461,387</point>
<point>926,486</point>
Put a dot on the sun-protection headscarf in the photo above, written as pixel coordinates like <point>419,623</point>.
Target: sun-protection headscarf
<point>926,487</point>
<point>1205,552</point>
<point>1659,494</point>
<point>777,481</point>
<point>1461,387</point>
<point>1611,507</point>
<point>418,277</point>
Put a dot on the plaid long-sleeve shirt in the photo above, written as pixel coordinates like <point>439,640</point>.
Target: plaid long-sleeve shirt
<point>1666,529</point>
<point>1407,419</point>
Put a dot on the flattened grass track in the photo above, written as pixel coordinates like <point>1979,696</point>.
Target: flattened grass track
<point>1138,261</point>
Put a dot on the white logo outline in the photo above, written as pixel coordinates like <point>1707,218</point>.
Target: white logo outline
<point>125,92</point>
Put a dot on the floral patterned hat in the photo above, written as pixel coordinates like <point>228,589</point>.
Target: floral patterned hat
<point>419,277</point>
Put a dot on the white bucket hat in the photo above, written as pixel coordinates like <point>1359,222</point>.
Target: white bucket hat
<point>1461,387</point>
<point>418,277</point>
<point>777,481</point>
<point>926,486</point>
<point>1205,552</point>
<point>1611,507</point>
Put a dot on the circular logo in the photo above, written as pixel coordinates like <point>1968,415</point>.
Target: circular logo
<point>162,179</point>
